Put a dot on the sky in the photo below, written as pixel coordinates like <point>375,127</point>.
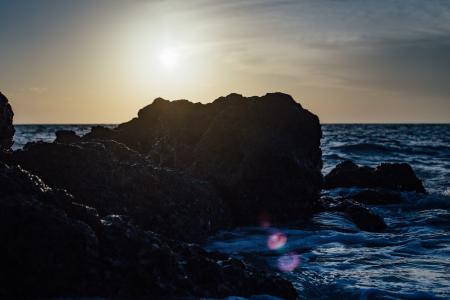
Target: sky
<point>348,61</point>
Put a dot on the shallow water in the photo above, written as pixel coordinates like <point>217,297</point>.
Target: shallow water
<point>331,258</point>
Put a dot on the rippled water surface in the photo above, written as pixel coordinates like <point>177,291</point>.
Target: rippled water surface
<point>330,258</point>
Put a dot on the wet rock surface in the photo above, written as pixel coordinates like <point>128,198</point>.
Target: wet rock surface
<point>56,247</point>
<point>393,176</point>
<point>253,150</point>
<point>6,124</point>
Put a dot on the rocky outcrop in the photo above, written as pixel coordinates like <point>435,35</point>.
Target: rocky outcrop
<point>361,216</point>
<point>179,171</point>
<point>54,247</point>
<point>393,176</point>
<point>262,153</point>
<point>117,180</point>
<point>6,124</point>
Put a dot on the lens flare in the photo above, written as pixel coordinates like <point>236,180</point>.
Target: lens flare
<point>276,240</point>
<point>288,262</point>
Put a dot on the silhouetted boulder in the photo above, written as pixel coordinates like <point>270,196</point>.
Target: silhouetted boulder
<point>66,137</point>
<point>6,124</point>
<point>54,247</point>
<point>262,153</point>
<point>363,217</point>
<point>117,180</point>
<point>99,132</point>
<point>394,176</point>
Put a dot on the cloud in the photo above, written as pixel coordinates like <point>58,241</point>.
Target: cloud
<point>393,45</point>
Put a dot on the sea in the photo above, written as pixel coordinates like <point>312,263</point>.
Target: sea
<point>329,257</point>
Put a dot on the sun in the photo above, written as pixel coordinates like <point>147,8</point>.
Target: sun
<point>169,57</point>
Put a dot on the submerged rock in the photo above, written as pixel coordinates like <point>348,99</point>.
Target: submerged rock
<point>117,180</point>
<point>363,217</point>
<point>394,176</point>
<point>6,124</point>
<point>262,153</point>
<point>53,247</point>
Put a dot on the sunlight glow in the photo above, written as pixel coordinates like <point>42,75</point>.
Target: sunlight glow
<point>169,57</point>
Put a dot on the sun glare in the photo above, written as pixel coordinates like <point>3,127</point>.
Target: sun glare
<point>169,57</point>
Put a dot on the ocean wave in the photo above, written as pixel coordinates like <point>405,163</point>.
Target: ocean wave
<point>332,157</point>
<point>386,150</point>
<point>364,147</point>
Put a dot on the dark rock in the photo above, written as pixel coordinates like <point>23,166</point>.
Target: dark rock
<point>66,137</point>
<point>394,176</point>
<point>262,153</point>
<point>44,252</point>
<point>398,177</point>
<point>6,124</point>
<point>377,197</point>
<point>143,264</point>
<point>53,247</point>
<point>363,217</point>
<point>117,180</point>
<point>99,133</point>
<point>181,170</point>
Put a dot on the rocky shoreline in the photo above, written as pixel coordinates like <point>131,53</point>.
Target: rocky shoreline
<point>116,213</point>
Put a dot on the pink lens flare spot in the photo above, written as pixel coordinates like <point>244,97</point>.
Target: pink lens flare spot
<point>276,240</point>
<point>288,262</point>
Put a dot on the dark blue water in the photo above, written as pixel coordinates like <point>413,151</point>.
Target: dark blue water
<point>330,258</point>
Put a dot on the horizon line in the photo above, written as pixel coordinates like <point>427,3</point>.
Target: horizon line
<point>324,123</point>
